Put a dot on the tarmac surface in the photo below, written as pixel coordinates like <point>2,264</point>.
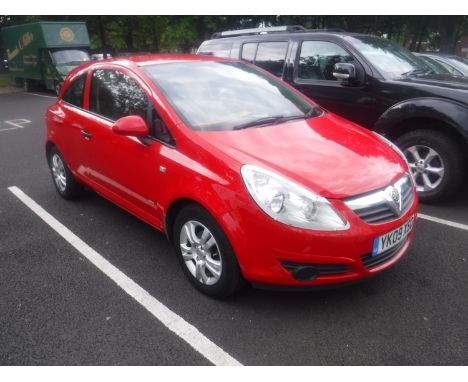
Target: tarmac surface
<point>57,308</point>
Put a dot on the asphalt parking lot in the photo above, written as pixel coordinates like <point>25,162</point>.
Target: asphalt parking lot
<point>56,307</point>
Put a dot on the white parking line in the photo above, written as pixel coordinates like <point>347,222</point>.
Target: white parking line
<point>15,123</point>
<point>443,221</point>
<point>171,320</point>
<point>39,95</point>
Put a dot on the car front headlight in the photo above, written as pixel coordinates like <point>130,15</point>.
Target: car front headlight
<point>290,203</point>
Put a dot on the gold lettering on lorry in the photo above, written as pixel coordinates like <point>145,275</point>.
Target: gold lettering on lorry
<point>23,42</point>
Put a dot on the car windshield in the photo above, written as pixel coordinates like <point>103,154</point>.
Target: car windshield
<point>70,56</point>
<point>459,63</point>
<point>436,67</point>
<point>222,95</point>
<point>390,59</point>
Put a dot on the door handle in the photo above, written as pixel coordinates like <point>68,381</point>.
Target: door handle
<point>86,134</point>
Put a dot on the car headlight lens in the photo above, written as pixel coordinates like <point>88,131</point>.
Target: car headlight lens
<point>290,203</point>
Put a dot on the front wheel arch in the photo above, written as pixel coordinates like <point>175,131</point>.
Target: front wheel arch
<point>427,123</point>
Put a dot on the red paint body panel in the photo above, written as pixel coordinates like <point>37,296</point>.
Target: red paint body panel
<point>328,155</point>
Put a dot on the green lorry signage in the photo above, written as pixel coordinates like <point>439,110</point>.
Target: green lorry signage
<point>45,51</point>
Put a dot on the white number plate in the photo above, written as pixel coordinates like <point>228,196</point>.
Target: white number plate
<point>392,238</point>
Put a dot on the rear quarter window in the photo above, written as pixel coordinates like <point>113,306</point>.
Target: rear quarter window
<point>75,92</point>
<point>218,49</point>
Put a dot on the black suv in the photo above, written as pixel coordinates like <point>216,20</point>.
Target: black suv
<point>373,82</point>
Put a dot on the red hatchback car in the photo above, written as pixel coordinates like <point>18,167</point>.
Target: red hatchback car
<point>249,179</point>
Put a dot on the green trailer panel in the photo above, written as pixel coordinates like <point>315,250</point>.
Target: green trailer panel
<point>22,49</point>
<point>23,44</point>
<point>58,35</point>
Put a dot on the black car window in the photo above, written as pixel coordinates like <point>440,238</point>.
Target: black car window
<point>271,55</point>
<point>248,51</point>
<point>114,95</point>
<point>74,93</point>
<point>216,49</point>
<point>318,58</point>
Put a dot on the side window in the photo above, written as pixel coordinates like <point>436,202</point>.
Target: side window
<point>248,51</point>
<point>318,58</point>
<point>74,93</point>
<point>271,55</point>
<point>115,95</point>
<point>158,129</point>
<point>216,49</point>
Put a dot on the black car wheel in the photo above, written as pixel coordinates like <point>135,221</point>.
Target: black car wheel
<point>64,181</point>
<point>436,162</point>
<point>57,87</point>
<point>205,253</point>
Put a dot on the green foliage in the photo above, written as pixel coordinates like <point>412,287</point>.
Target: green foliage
<point>4,80</point>
<point>185,33</point>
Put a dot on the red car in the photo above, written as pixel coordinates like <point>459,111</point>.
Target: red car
<point>249,179</point>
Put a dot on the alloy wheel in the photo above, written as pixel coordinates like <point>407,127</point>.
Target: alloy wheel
<point>426,165</point>
<point>58,172</point>
<point>200,252</point>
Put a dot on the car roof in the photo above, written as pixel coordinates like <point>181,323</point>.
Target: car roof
<point>152,59</point>
<point>286,35</point>
<point>435,54</point>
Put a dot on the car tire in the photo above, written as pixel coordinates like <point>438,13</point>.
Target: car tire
<point>57,87</point>
<point>65,183</point>
<point>446,166</point>
<point>212,268</point>
<point>27,85</point>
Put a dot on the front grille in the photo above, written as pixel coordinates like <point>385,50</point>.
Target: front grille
<point>307,272</point>
<point>379,206</point>
<point>374,261</point>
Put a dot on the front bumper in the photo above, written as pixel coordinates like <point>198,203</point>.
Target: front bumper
<point>268,251</point>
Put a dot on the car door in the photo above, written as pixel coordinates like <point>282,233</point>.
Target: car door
<point>70,120</point>
<point>313,76</point>
<point>125,168</point>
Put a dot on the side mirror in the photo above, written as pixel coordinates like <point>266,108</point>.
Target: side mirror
<point>132,126</point>
<point>345,72</point>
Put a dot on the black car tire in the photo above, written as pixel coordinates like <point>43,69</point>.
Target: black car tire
<point>27,85</point>
<point>57,87</point>
<point>454,162</point>
<point>230,280</point>
<point>72,188</point>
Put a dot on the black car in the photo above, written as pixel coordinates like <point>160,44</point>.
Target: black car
<point>375,83</point>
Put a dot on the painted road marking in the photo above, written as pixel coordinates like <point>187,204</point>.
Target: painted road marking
<point>15,124</point>
<point>171,320</point>
<point>40,95</point>
<point>443,221</point>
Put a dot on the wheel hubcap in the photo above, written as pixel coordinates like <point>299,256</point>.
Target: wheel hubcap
<point>200,252</point>
<point>427,167</point>
<point>58,172</point>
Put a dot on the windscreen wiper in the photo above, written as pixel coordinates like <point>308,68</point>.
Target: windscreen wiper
<point>311,113</point>
<point>413,71</point>
<point>259,122</point>
<point>276,119</point>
